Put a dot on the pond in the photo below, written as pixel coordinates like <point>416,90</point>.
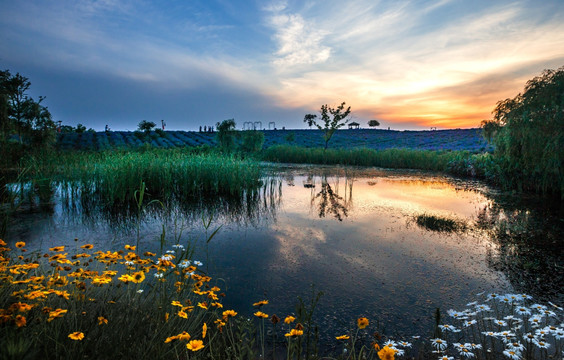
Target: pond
<point>350,233</point>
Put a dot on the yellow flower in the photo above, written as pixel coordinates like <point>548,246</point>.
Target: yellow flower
<point>204,330</point>
<point>387,353</point>
<point>289,319</point>
<point>195,345</point>
<point>343,337</point>
<point>20,244</point>
<point>294,333</point>
<point>183,336</point>
<point>126,278</point>
<point>216,304</point>
<point>129,247</point>
<point>362,322</point>
<point>261,303</point>
<point>182,314</point>
<point>260,314</point>
<point>102,320</point>
<point>57,248</point>
<point>87,246</point>
<point>20,321</point>
<point>77,335</point>
<point>203,305</point>
<point>56,314</point>
<point>166,317</point>
<point>176,303</point>
<point>138,277</point>
<point>229,313</point>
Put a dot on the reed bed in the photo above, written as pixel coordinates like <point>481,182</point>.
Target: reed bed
<point>389,158</point>
<point>114,177</point>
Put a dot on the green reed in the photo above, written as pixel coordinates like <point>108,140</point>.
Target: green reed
<point>389,158</point>
<point>114,176</point>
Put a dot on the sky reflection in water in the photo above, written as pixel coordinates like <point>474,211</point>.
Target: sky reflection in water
<point>359,244</point>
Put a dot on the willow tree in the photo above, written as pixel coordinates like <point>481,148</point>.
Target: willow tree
<point>528,134</point>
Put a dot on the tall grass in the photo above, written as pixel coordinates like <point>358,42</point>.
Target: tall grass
<point>389,158</point>
<point>113,177</point>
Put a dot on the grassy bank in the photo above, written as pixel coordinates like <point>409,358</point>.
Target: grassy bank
<point>134,304</point>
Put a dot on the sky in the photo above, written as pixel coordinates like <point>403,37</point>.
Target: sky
<point>408,64</point>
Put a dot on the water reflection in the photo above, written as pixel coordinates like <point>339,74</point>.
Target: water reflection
<point>302,227</point>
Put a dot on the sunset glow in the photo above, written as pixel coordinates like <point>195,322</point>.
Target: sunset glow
<point>410,65</point>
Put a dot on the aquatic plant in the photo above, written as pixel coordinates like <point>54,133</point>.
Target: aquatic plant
<point>439,223</point>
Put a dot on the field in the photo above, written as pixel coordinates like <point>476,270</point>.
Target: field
<point>459,139</point>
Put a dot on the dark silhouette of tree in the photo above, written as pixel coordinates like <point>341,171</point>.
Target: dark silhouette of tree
<point>373,123</point>
<point>146,126</point>
<point>226,134</point>
<point>331,119</point>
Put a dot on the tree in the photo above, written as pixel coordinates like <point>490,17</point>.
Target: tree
<point>226,134</point>
<point>331,120</point>
<point>80,128</point>
<point>146,126</point>
<point>21,113</point>
<point>373,123</point>
<point>528,134</point>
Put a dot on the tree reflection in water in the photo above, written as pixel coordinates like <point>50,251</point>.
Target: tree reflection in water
<point>329,201</point>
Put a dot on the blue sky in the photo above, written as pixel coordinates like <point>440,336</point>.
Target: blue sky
<point>409,64</point>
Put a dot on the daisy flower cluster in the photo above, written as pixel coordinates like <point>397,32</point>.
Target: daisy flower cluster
<point>510,326</point>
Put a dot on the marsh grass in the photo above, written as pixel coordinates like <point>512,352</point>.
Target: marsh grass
<point>112,177</point>
<point>389,158</point>
<point>440,223</point>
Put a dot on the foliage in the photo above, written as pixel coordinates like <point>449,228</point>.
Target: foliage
<point>23,117</point>
<point>331,120</point>
<point>528,133</point>
<point>252,141</point>
<point>226,134</point>
<point>146,126</point>
<point>373,123</point>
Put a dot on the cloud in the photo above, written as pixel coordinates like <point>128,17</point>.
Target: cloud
<point>299,40</point>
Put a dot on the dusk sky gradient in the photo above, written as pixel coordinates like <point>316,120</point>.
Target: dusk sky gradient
<point>409,64</point>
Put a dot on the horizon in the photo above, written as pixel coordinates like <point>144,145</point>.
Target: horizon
<point>409,65</point>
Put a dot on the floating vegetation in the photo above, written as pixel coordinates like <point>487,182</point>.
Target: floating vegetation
<point>439,223</point>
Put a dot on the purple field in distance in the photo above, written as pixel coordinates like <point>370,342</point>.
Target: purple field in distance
<point>458,139</point>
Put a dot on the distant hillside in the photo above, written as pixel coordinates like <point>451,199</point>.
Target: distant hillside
<point>460,139</point>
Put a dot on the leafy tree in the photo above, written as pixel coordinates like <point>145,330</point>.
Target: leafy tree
<point>252,141</point>
<point>80,128</point>
<point>23,115</point>
<point>226,134</point>
<point>331,119</point>
<point>146,126</point>
<point>528,134</point>
<point>373,123</point>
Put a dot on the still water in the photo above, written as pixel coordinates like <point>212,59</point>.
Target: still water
<point>350,233</point>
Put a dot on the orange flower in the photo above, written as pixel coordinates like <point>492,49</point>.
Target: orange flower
<point>261,303</point>
<point>129,247</point>
<point>204,330</point>
<point>289,319</point>
<point>77,335</point>
<point>229,313</point>
<point>362,322</point>
<point>387,353</point>
<point>20,321</point>
<point>57,248</point>
<point>260,314</point>
<point>87,246</point>
<point>195,345</point>
<point>294,333</point>
<point>102,320</point>
<point>343,337</point>
<point>20,244</point>
<point>182,314</point>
